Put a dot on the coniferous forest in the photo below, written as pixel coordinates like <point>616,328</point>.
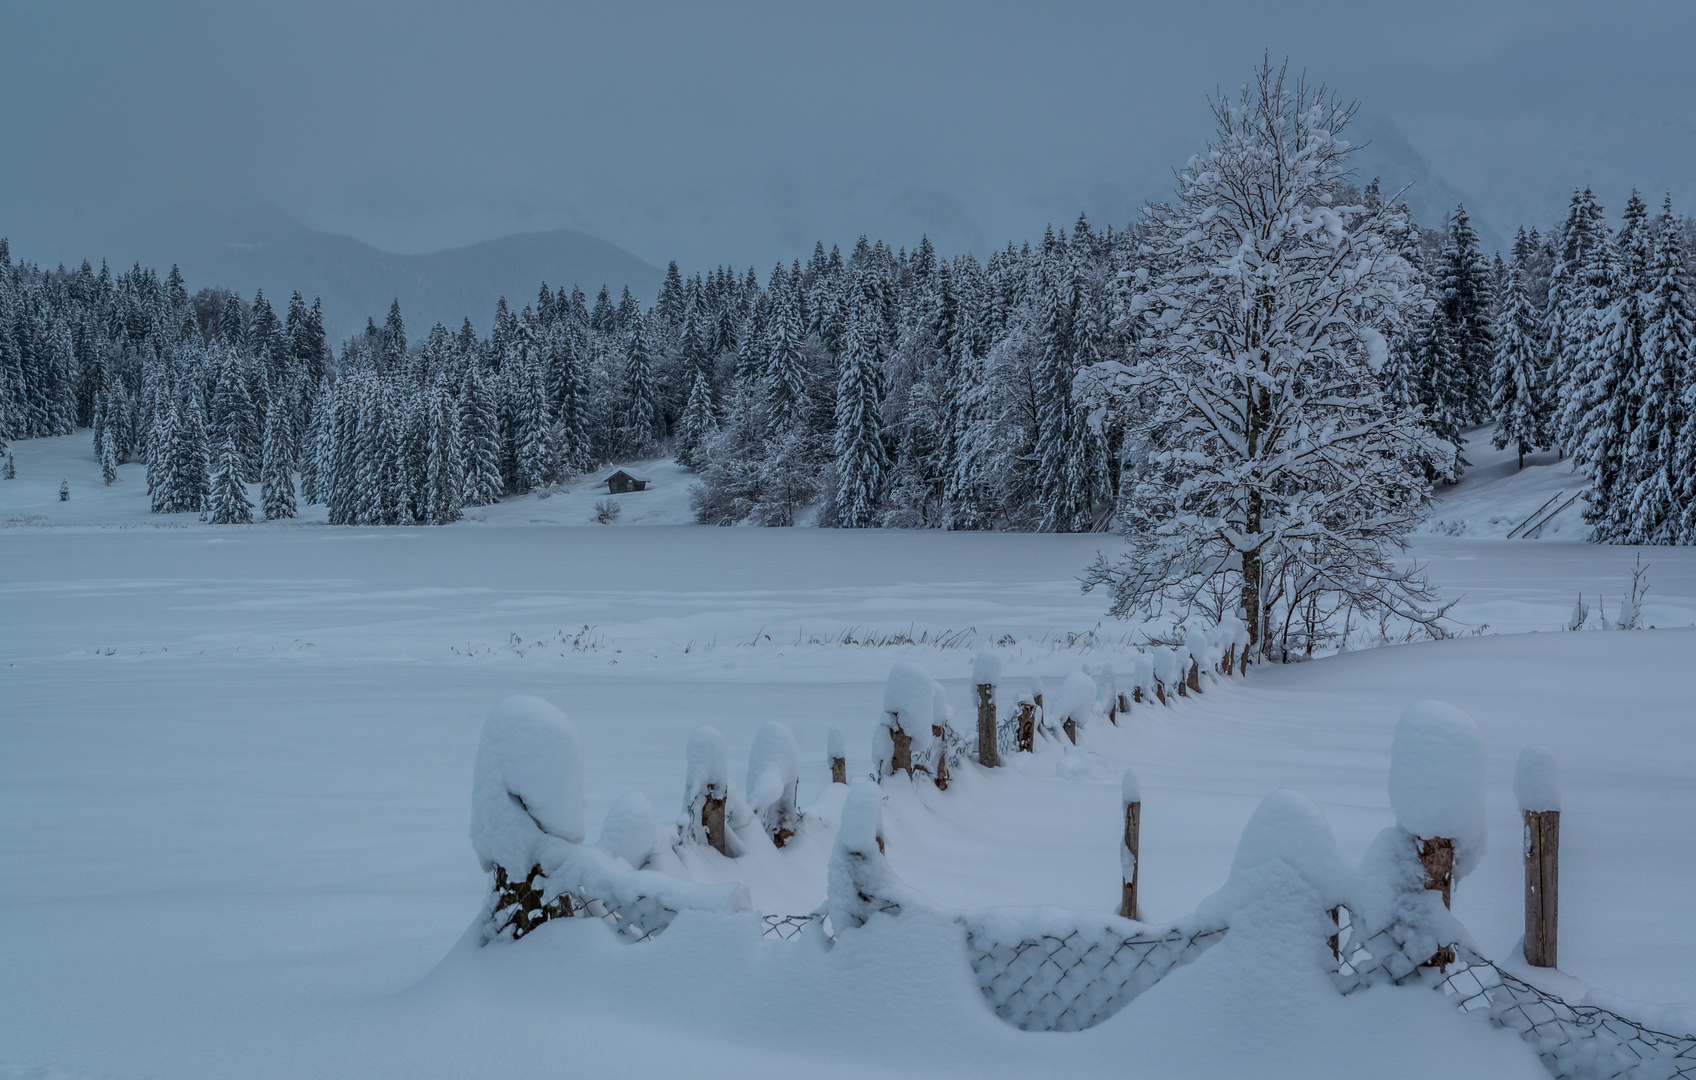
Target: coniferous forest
<point>888,387</point>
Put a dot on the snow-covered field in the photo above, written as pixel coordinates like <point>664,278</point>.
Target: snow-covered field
<point>235,785</point>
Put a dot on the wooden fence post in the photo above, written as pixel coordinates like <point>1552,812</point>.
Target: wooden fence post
<point>712,820</point>
<point>1130,846</point>
<point>1026,727</point>
<point>1536,785</point>
<point>988,755</point>
<point>1437,856</point>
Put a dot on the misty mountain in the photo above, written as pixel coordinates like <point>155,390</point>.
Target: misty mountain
<point>1385,152</point>
<point>252,248</point>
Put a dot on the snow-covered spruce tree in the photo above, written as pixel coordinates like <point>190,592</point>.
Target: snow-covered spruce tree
<point>228,503</point>
<point>640,430</point>
<point>480,441</point>
<point>534,429</point>
<point>445,479</point>
<point>1281,483</point>
<point>1604,370</point>
<point>233,414</point>
<point>1518,397</point>
<point>697,424</point>
<point>1581,285</point>
<point>860,458</point>
<point>276,475</point>
<point>1659,443</point>
<point>786,370</point>
<point>184,484</point>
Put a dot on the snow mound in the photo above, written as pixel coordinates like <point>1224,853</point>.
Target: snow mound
<point>527,783</point>
<point>631,830</point>
<point>1437,778</point>
<point>1537,779</point>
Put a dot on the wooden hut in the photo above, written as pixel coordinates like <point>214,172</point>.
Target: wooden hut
<point>622,482</point>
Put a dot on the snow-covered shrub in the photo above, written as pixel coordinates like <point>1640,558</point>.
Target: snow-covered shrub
<point>774,781</point>
<point>902,742</point>
<point>607,511</point>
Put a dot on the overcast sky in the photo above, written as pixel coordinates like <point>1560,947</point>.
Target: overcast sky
<point>683,130</point>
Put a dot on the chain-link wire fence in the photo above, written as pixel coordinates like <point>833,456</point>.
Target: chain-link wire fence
<point>1074,980</point>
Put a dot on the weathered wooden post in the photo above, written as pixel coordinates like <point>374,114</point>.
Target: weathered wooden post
<point>837,748</point>
<point>1130,796</point>
<point>1536,785</point>
<point>1025,726</point>
<point>986,673</point>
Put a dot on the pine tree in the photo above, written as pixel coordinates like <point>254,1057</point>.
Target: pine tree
<point>697,424</point>
<point>106,438</point>
<point>1605,369</point>
<point>786,398</point>
<point>276,476</point>
<point>534,430</point>
<point>640,429</point>
<point>183,483</point>
<point>1657,444</point>
<point>446,470</point>
<point>480,441</point>
<point>860,457</point>
<point>234,416</point>
<point>1518,397</point>
<point>228,503</point>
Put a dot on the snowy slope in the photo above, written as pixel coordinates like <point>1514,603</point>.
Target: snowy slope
<point>235,787</point>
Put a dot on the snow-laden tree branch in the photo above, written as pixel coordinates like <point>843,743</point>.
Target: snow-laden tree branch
<point>1279,478</point>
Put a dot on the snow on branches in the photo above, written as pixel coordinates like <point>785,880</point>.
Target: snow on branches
<point>1279,480</point>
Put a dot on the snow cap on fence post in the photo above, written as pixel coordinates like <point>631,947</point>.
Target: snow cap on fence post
<point>527,783</point>
<point>1077,698</point>
<point>706,789</point>
<point>1437,769</point>
<point>1537,780</point>
<point>860,883</point>
<point>836,752</point>
<point>986,669</point>
<point>774,780</point>
<point>909,708</point>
